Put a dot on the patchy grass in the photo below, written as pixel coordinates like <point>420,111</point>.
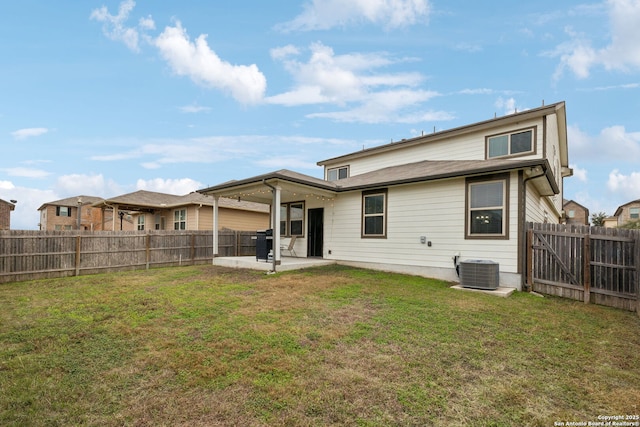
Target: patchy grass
<point>329,346</point>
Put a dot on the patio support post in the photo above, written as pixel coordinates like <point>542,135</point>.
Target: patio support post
<point>215,226</point>
<point>276,226</point>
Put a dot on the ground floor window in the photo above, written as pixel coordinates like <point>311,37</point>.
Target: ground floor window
<point>374,217</point>
<point>140,222</point>
<point>487,207</point>
<point>292,219</point>
<point>180,219</point>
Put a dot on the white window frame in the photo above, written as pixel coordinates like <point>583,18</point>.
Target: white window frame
<point>335,174</point>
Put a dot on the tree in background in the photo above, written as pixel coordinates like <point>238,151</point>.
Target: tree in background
<point>634,224</point>
<point>597,219</point>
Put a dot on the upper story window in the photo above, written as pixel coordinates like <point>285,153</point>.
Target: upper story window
<point>63,211</point>
<point>335,174</point>
<point>510,144</point>
<point>180,219</point>
<point>374,213</point>
<point>634,213</point>
<point>487,208</point>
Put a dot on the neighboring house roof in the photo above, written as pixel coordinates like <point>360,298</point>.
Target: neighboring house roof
<point>619,210</point>
<point>72,201</point>
<point>402,174</point>
<point>149,200</point>
<point>565,202</point>
<point>558,108</point>
<point>12,206</point>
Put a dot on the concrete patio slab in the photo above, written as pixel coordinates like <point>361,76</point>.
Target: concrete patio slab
<point>500,292</point>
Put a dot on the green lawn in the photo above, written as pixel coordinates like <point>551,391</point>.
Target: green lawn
<point>202,345</point>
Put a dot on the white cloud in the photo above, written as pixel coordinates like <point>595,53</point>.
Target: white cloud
<point>508,106</point>
<point>91,185</point>
<point>350,81</point>
<point>194,108</point>
<point>628,185</point>
<point>113,26</point>
<point>613,143</point>
<point>26,215</point>
<point>622,53</point>
<point>197,61</point>
<point>26,172</point>
<point>579,173</point>
<point>29,132</point>
<point>287,162</point>
<point>326,14</point>
<point>170,186</point>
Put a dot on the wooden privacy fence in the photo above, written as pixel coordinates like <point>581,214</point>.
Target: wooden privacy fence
<point>591,264</point>
<point>27,255</point>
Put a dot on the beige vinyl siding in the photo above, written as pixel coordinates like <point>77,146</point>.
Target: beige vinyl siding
<point>240,220</point>
<point>464,147</point>
<point>439,216</point>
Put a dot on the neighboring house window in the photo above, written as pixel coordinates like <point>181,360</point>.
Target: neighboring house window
<point>63,211</point>
<point>487,208</point>
<point>180,219</point>
<point>158,223</point>
<point>337,173</point>
<point>374,213</point>
<point>140,222</point>
<point>634,213</point>
<point>510,144</point>
<point>292,219</point>
<point>571,213</point>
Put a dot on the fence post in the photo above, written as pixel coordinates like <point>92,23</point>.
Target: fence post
<point>586,267</point>
<point>637,261</point>
<point>148,249</point>
<point>236,237</point>
<point>529,272</point>
<point>78,245</point>
<point>193,248</point>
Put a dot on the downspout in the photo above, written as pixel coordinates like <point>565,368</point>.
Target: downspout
<point>273,191</point>
<point>523,247</point>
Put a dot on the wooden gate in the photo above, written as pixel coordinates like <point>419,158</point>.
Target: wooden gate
<point>591,264</point>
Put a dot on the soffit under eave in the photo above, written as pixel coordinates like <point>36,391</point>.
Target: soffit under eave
<point>261,193</point>
<point>561,117</point>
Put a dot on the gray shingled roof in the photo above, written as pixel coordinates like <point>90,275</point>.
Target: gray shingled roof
<point>73,201</point>
<point>143,199</point>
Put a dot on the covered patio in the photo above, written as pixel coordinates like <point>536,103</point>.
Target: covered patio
<point>297,203</point>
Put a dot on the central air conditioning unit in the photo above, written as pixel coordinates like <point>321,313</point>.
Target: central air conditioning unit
<point>479,274</point>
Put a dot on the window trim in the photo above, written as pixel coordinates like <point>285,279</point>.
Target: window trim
<point>337,169</point>
<point>178,220</point>
<point>384,192</point>
<point>534,147</point>
<point>469,182</point>
<point>287,220</point>
<point>59,210</point>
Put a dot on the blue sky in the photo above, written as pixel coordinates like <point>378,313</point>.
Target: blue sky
<point>107,97</point>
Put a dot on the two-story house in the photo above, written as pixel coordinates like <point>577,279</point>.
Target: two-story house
<point>575,213</point>
<point>5,214</point>
<point>72,213</point>
<point>628,212</point>
<point>419,204</point>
